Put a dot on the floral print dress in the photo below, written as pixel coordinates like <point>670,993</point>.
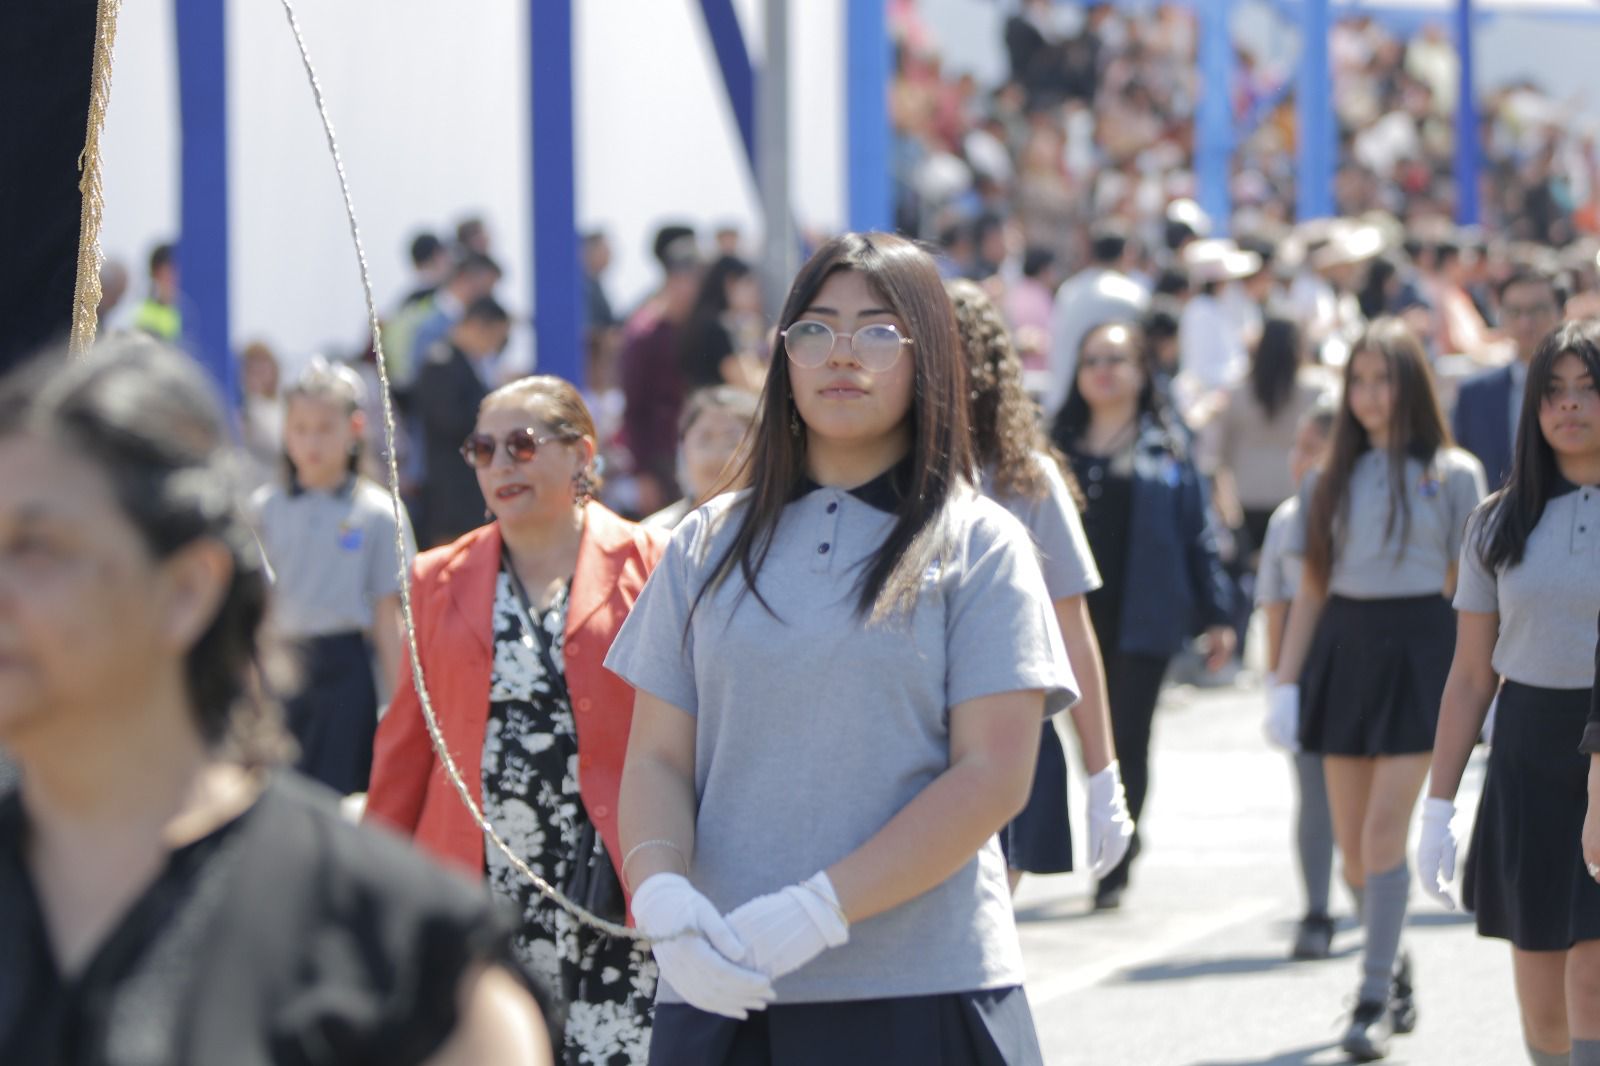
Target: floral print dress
<point>603,987</point>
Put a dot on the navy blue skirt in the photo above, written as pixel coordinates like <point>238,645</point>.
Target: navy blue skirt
<point>1039,840</point>
<point>1525,878</point>
<point>991,1028</point>
<point>1374,676</point>
<point>335,713</point>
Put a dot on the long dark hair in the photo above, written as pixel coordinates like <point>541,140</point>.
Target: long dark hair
<point>1274,364</point>
<point>145,416</point>
<point>1006,433</point>
<point>1416,430</point>
<point>1513,511</point>
<point>710,304</point>
<point>907,280</point>
<point>1073,418</point>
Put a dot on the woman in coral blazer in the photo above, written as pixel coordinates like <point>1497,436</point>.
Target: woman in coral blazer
<point>513,623</point>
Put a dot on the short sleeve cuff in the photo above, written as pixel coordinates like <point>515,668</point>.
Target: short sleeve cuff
<point>1590,744</point>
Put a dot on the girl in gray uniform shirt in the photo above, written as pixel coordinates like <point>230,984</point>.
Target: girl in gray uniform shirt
<point>1527,597</point>
<point>1371,635</point>
<point>841,673</point>
<point>1028,476</point>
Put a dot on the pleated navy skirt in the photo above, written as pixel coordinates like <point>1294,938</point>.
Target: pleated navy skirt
<point>1525,877</point>
<point>335,714</point>
<point>991,1028</point>
<point>1039,840</point>
<point>1374,676</point>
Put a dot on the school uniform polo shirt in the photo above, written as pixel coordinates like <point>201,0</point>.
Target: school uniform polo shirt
<point>815,727</point>
<point>1055,525</point>
<point>1371,561</point>
<point>331,554</point>
<point>1547,602</point>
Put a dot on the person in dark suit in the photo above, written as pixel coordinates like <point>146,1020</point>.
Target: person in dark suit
<point>450,385</point>
<point>1487,404</point>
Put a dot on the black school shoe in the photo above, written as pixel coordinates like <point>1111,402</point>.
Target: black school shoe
<point>1371,1026</point>
<point>1402,1001</point>
<point>1313,939</point>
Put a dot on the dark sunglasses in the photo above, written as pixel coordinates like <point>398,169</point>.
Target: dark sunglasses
<point>521,444</point>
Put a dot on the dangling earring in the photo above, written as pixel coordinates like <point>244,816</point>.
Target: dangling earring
<point>582,487</point>
<point>794,422</point>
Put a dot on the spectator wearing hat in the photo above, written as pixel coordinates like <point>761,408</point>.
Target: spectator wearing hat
<point>1211,340</point>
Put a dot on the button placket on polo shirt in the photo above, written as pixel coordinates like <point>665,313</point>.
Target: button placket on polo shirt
<point>1585,518</point>
<point>827,534</point>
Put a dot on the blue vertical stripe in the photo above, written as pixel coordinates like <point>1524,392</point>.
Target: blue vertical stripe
<point>1467,148</point>
<point>557,269</point>
<point>870,198</point>
<point>1214,120</point>
<point>1315,135</point>
<point>203,168</point>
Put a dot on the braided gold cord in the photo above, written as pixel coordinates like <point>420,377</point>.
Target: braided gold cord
<point>430,719</point>
<point>86,295</point>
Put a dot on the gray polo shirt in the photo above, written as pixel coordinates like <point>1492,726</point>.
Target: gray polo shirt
<point>1052,520</point>
<point>815,728</point>
<point>331,554</point>
<point>1278,573</point>
<point>1547,603</point>
<point>1369,562</point>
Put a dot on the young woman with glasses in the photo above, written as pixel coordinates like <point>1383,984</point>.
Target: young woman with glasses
<point>513,621</point>
<point>1370,639</point>
<point>1146,521</point>
<point>841,669</point>
<point>1526,601</point>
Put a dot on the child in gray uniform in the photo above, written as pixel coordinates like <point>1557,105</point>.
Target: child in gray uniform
<point>1276,580</point>
<point>329,538</point>
<point>1527,597</point>
<point>842,670</point>
<point>1028,476</point>
<point>1371,635</point>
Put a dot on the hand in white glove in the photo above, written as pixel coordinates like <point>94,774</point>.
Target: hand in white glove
<point>698,953</point>
<point>1110,825</point>
<point>787,929</point>
<point>1283,717</point>
<point>1436,851</point>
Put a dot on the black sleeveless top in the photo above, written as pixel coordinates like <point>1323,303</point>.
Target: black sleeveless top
<point>286,937</point>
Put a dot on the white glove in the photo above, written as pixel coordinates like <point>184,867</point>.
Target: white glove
<point>787,929</point>
<point>1436,851</point>
<point>1283,717</point>
<point>697,951</point>
<point>1110,825</point>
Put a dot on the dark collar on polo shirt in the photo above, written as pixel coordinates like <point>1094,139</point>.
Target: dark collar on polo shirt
<point>884,492</point>
<point>1560,486</point>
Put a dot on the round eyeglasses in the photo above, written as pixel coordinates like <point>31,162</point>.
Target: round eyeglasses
<point>521,444</point>
<point>876,348</point>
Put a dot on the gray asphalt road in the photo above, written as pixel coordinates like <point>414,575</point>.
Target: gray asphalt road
<point>1193,971</point>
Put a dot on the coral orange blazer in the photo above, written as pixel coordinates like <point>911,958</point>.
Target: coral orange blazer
<point>453,595</point>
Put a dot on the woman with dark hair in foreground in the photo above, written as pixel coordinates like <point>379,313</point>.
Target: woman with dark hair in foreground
<point>166,896</point>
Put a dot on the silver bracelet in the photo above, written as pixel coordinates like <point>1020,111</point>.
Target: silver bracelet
<point>658,843</point>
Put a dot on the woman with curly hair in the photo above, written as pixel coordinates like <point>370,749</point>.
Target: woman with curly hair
<point>1028,476</point>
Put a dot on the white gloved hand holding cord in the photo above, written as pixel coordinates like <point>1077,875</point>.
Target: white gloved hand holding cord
<point>788,928</point>
<point>703,959</point>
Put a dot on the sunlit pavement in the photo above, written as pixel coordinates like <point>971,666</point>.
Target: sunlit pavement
<point>1194,970</point>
